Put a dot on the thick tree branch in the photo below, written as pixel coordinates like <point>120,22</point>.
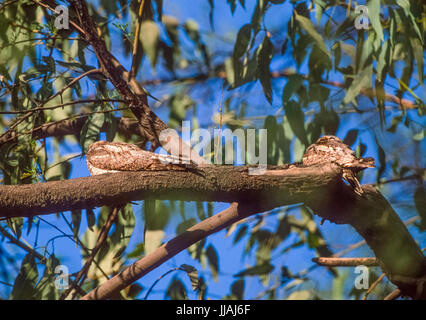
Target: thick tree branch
<point>148,263</point>
<point>319,187</point>
<point>375,220</point>
<point>211,183</point>
<point>370,214</point>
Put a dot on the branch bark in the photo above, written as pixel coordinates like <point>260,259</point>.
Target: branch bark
<point>371,215</point>
<point>283,186</point>
<point>374,219</point>
<point>345,262</point>
<point>320,187</point>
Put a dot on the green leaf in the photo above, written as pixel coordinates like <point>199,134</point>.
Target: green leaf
<point>25,282</point>
<point>90,130</point>
<point>258,14</point>
<point>179,104</point>
<point>418,54</point>
<point>283,229</point>
<point>364,51</point>
<point>91,219</point>
<point>320,5</point>
<point>156,216</point>
<point>262,269</point>
<point>272,148</point>
<point>171,24</point>
<point>192,274</point>
<point>420,203</point>
<point>200,211</point>
<point>230,73</point>
<point>137,252</point>
<point>351,137</point>
<point>383,61</point>
<point>237,289</point>
<point>124,228</point>
<point>15,224</point>
<point>76,220</point>
<point>46,288</point>
<point>240,233</point>
<point>149,36</point>
<point>300,295</point>
<point>318,93</point>
<point>264,60</point>
<point>362,80</point>
<point>153,240</point>
<point>293,84</point>
<point>374,17</point>
<point>111,124</point>
<point>192,29</point>
<point>382,161</point>
<point>242,41</point>
<point>232,5</point>
<point>296,119</point>
<point>307,25</point>
<point>213,260</point>
<point>185,225</point>
<point>176,290</point>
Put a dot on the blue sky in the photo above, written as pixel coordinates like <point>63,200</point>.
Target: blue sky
<point>230,257</point>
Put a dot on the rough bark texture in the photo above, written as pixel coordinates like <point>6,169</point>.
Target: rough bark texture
<point>210,183</point>
<point>371,215</point>
<point>373,218</point>
<point>148,263</point>
<point>320,187</point>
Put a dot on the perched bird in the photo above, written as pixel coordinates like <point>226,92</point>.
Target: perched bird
<point>106,157</point>
<point>332,149</point>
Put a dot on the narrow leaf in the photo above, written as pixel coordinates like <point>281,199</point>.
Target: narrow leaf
<point>307,25</point>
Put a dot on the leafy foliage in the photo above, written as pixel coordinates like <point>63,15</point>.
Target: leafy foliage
<point>306,73</point>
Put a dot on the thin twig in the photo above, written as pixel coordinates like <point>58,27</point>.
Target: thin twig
<point>22,245</point>
<point>136,46</point>
<point>345,262</point>
<point>30,113</point>
<point>220,123</point>
<point>156,281</point>
<point>63,105</point>
<point>13,137</point>
<point>53,10</point>
<point>99,243</point>
<point>395,294</point>
<point>375,283</point>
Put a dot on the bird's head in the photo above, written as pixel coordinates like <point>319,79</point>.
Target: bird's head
<point>328,140</point>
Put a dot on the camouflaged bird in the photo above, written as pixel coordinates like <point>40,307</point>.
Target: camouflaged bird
<point>332,149</point>
<point>107,157</point>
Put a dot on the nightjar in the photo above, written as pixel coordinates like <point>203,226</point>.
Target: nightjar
<point>106,157</point>
<point>332,149</point>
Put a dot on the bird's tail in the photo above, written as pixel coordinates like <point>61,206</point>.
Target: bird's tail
<point>360,164</point>
<point>367,162</point>
<point>181,161</point>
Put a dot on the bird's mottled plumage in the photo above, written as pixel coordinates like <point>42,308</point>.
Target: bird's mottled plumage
<point>332,149</point>
<point>106,157</point>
